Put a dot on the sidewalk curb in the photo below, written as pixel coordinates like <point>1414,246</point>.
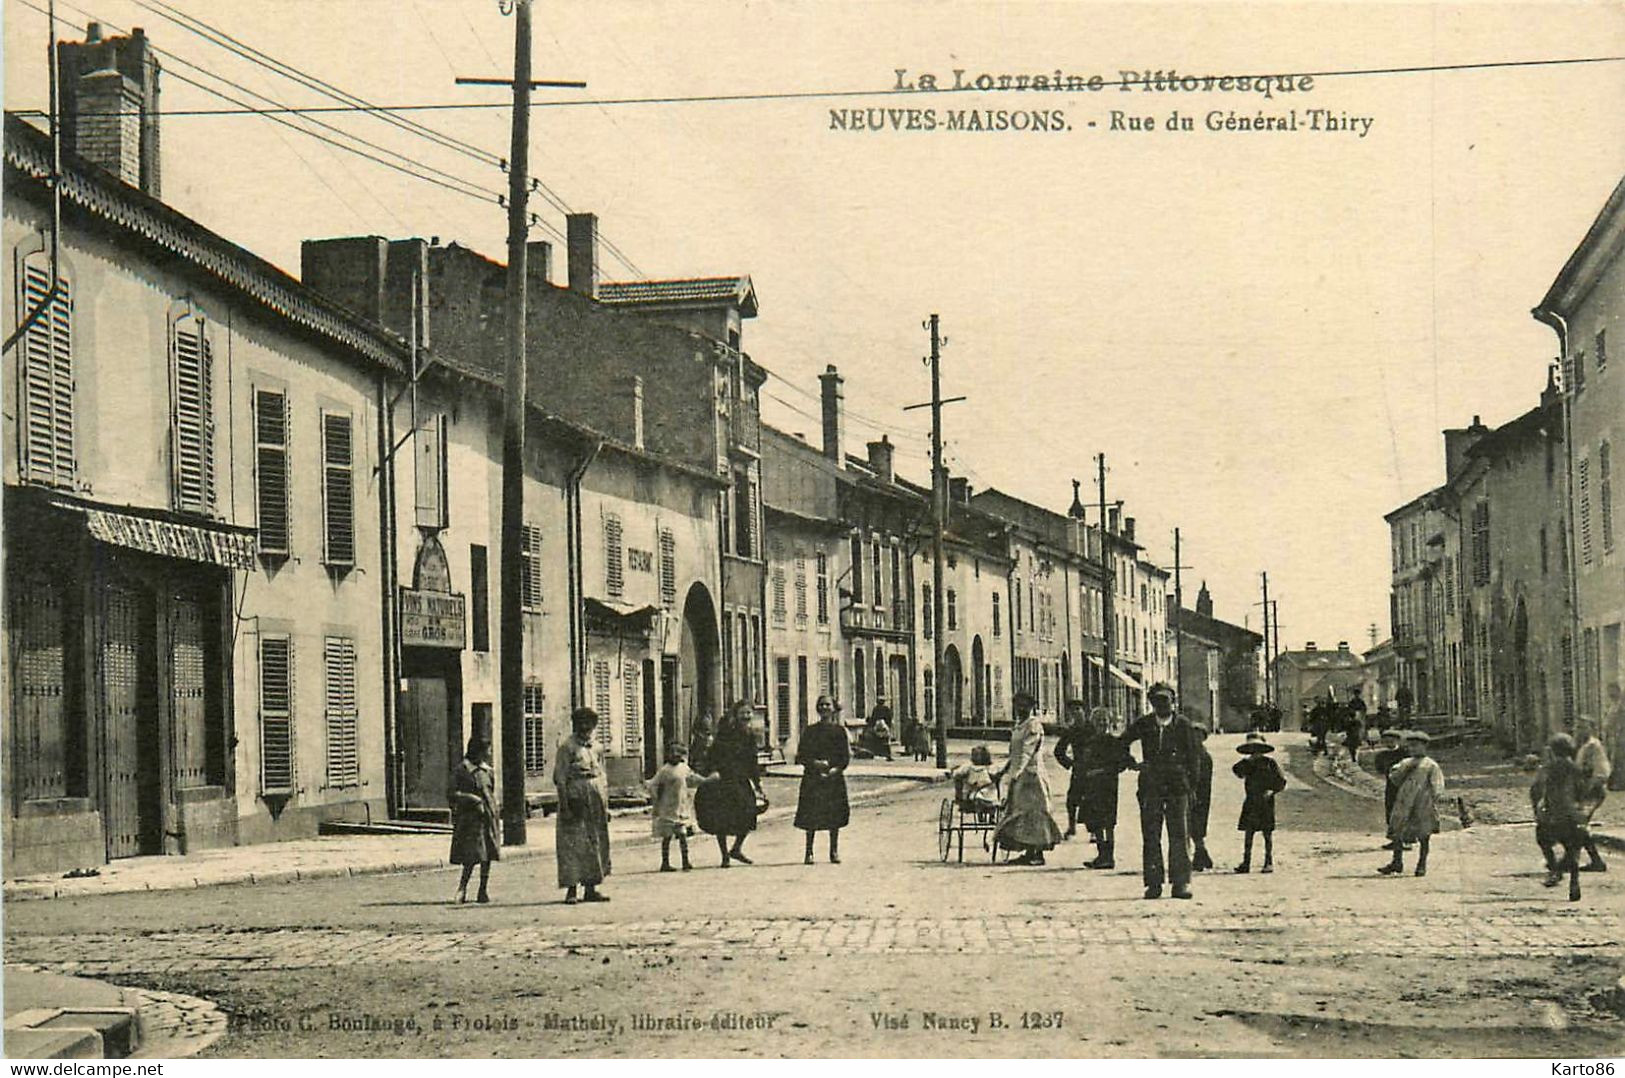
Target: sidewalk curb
<point>44,892</point>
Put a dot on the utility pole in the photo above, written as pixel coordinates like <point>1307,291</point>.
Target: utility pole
<point>1275,636</point>
<point>1179,632</point>
<point>939,520</point>
<point>1269,696</point>
<point>511,625</point>
<point>1108,648</point>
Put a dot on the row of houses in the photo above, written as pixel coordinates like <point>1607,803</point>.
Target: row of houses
<point>252,523</point>
<point>1508,580</point>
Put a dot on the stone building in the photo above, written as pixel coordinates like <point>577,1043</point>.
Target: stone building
<point>1218,667</point>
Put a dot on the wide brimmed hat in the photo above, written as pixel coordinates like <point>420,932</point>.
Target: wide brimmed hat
<point>1416,735</point>
<point>1254,745</point>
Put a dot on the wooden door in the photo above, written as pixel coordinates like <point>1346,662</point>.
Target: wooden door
<point>654,745</point>
<point>424,732</point>
<point>40,686</point>
<point>188,693</point>
<point>670,676</point>
<point>130,725</point>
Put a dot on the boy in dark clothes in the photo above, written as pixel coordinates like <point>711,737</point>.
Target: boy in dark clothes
<point>1389,755</point>
<point>1262,780</point>
<point>1559,818</point>
<point>1201,799</point>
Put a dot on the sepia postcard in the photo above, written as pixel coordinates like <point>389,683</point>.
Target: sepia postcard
<point>950,530</point>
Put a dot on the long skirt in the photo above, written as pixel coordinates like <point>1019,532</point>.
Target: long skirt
<point>582,843</point>
<point>822,804</point>
<point>1026,823</point>
<point>1097,810</point>
<point>725,807</point>
<point>473,837</point>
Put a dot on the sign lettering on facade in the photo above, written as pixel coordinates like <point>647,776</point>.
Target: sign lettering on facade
<point>432,619</point>
<point>641,561</point>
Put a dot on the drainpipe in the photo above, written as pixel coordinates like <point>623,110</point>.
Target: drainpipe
<point>1560,326</point>
<point>572,511</point>
<point>387,578</point>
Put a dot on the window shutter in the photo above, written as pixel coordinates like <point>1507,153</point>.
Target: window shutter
<point>276,715</point>
<point>781,695</point>
<point>192,425</point>
<point>600,699</point>
<point>1605,493</point>
<point>47,375</point>
<point>1582,470</point>
<point>778,596</point>
<point>338,490</point>
<point>430,474</point>
<point>535,730</point>
<point>271,469</point>
<point>614,573</point>
<point>343,761</point>
<point>801,592</point>
<point>668,568</point>
<point>530,568</point>
<point>632,707</point>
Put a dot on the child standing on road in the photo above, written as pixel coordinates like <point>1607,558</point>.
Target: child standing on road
<point>670,806</point>
<point>1559,814</point>
<point>1418,784</point>
<point>1389,755</point>
<point>1262,780</point>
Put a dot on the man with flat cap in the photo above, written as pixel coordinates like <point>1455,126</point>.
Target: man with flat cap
<point>1169,773</point>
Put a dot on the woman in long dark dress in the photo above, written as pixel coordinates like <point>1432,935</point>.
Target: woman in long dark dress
<point>474,817</point>
<point>824,755</point>
<point>726,805</point>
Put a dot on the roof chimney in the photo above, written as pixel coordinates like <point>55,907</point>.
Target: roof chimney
<point>1310,646</point>
<point>538,260</point>
<point>109,89</point>
<point>834,415</point>
<point>1114,516</point>
<point>880,459</point>
<point>582,239</point>
<point>959,490</point>
<point>1128,528</point>
<point>1076,509</point>
<point>1457,442</point>
<point>1343,647</point>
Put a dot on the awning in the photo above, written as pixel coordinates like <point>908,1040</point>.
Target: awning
<point>1127,679</point>
<point>214,544</point>
<point>619,614</point>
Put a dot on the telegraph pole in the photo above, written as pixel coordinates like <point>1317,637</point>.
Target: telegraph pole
<point>1269,697</point>
<point>1109,649</point>
<point>939,519</point>
<point>1275,673</point>
<point>1179,628</point>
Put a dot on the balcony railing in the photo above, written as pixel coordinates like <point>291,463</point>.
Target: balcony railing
<point>862,617</point>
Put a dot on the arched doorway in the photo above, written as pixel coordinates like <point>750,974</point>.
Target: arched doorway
<point>688,681</point>
<point>977,663</point>
<point>953,677</point>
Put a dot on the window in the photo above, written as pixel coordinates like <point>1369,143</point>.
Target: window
<point>879,596</point>
<point>1579,371</point>
<point>1543,555</point>
<point>1601,346</point>
<point>668,568</point>
<point>343,761</point>
<point>276,715</point>
<point>829,680</point>
<point>1582,472</point>
<point>1015,606</point>
<point>857,568</point>
<point>996,619</point>
<point>1605,494</point>
<point>930,703</point>
<point>338,490</point>
<point>432,476</point>
<point>614,569</point>
<point>1481,544</point>
<point>757,695</point>
<point>744,515</point>
<point>1449,604</point>
<point>951,610</point>
<point>899,597</point>
<point>880,677</point>
<point>632,708</point>
<point>271,469</point>
<point>821,564</point>
<point>998,687</point>
<point>781,696</point>
<point>926,618</point>
<point>191,428</point>
<point>743,690</point>
<point>1032,606</point>
<point>530,568</point>
<point>859,696</point>
<point>1567,653</point>
<point>727,654</point>
<point>801,592</point>
<point>535,730</point>
<point>604,733</point>
<point>778,595</point>
<point>803,709</point>
<point>479,598</point>
<point>46,367</point>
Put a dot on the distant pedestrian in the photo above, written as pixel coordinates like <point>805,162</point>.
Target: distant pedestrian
<point>699,745</point>
<point>474,817</point>
<point>1261,780</point>
<point>1391,753</point>
<point>726,805</point>
<point>877,734</point>
<point>1560,817</point>
<point>1592,759</point>
<point>1168,773</point>
<point>1419,783</point>
<point>1354,723</point>
<point>823,754</point>
<point>671,806</point>
<point>1068,746</point>
<point>919,745</point>
<point>1101,757</point>
<point>1201,799</point>
<point>582,842</point>
<point>1026,823</point>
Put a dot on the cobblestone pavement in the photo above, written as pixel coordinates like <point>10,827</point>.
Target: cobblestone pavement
<point>1294,937</point>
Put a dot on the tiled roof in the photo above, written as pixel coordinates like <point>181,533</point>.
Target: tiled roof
<point>689,291</point>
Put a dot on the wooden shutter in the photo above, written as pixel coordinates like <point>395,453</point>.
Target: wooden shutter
<point>276,715</point>
<point>801,591</point>
<point>1605,493</point>
<point>343,759</point>
<point>781,672</point>
<point>430,477</point>
<point>46,366</point>
<point>1582,471</point>
<point>600,700</point>
<point>632,708</point>
<point>338,490</point>
<point>189,695</point>
<point>668,568</point>
<point>530,567</point>
<point>192,424</point>
<point>535,730</point>
<point>614,573</point>
<point>39,687</point>
<point>271,469</point>
<point>778,595</point>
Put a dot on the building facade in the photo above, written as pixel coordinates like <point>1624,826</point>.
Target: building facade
<point>1218,667</point>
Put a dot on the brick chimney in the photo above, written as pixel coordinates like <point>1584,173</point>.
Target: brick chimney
<point>1128,528</point>
<point>959,490</point>
<point>1204,601</point>
<point>1342,647</point>
<point>539,261</point>
<point>1457,441</point>
<point>834,414</point>
<point>351,271</point>
<point>109,90</point>
<point>1310,646</point>
<point>1114,515</point>
<point>582,238</point>
<point>880,459</point>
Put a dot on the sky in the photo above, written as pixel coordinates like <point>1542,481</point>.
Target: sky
<point>1265,332</point>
